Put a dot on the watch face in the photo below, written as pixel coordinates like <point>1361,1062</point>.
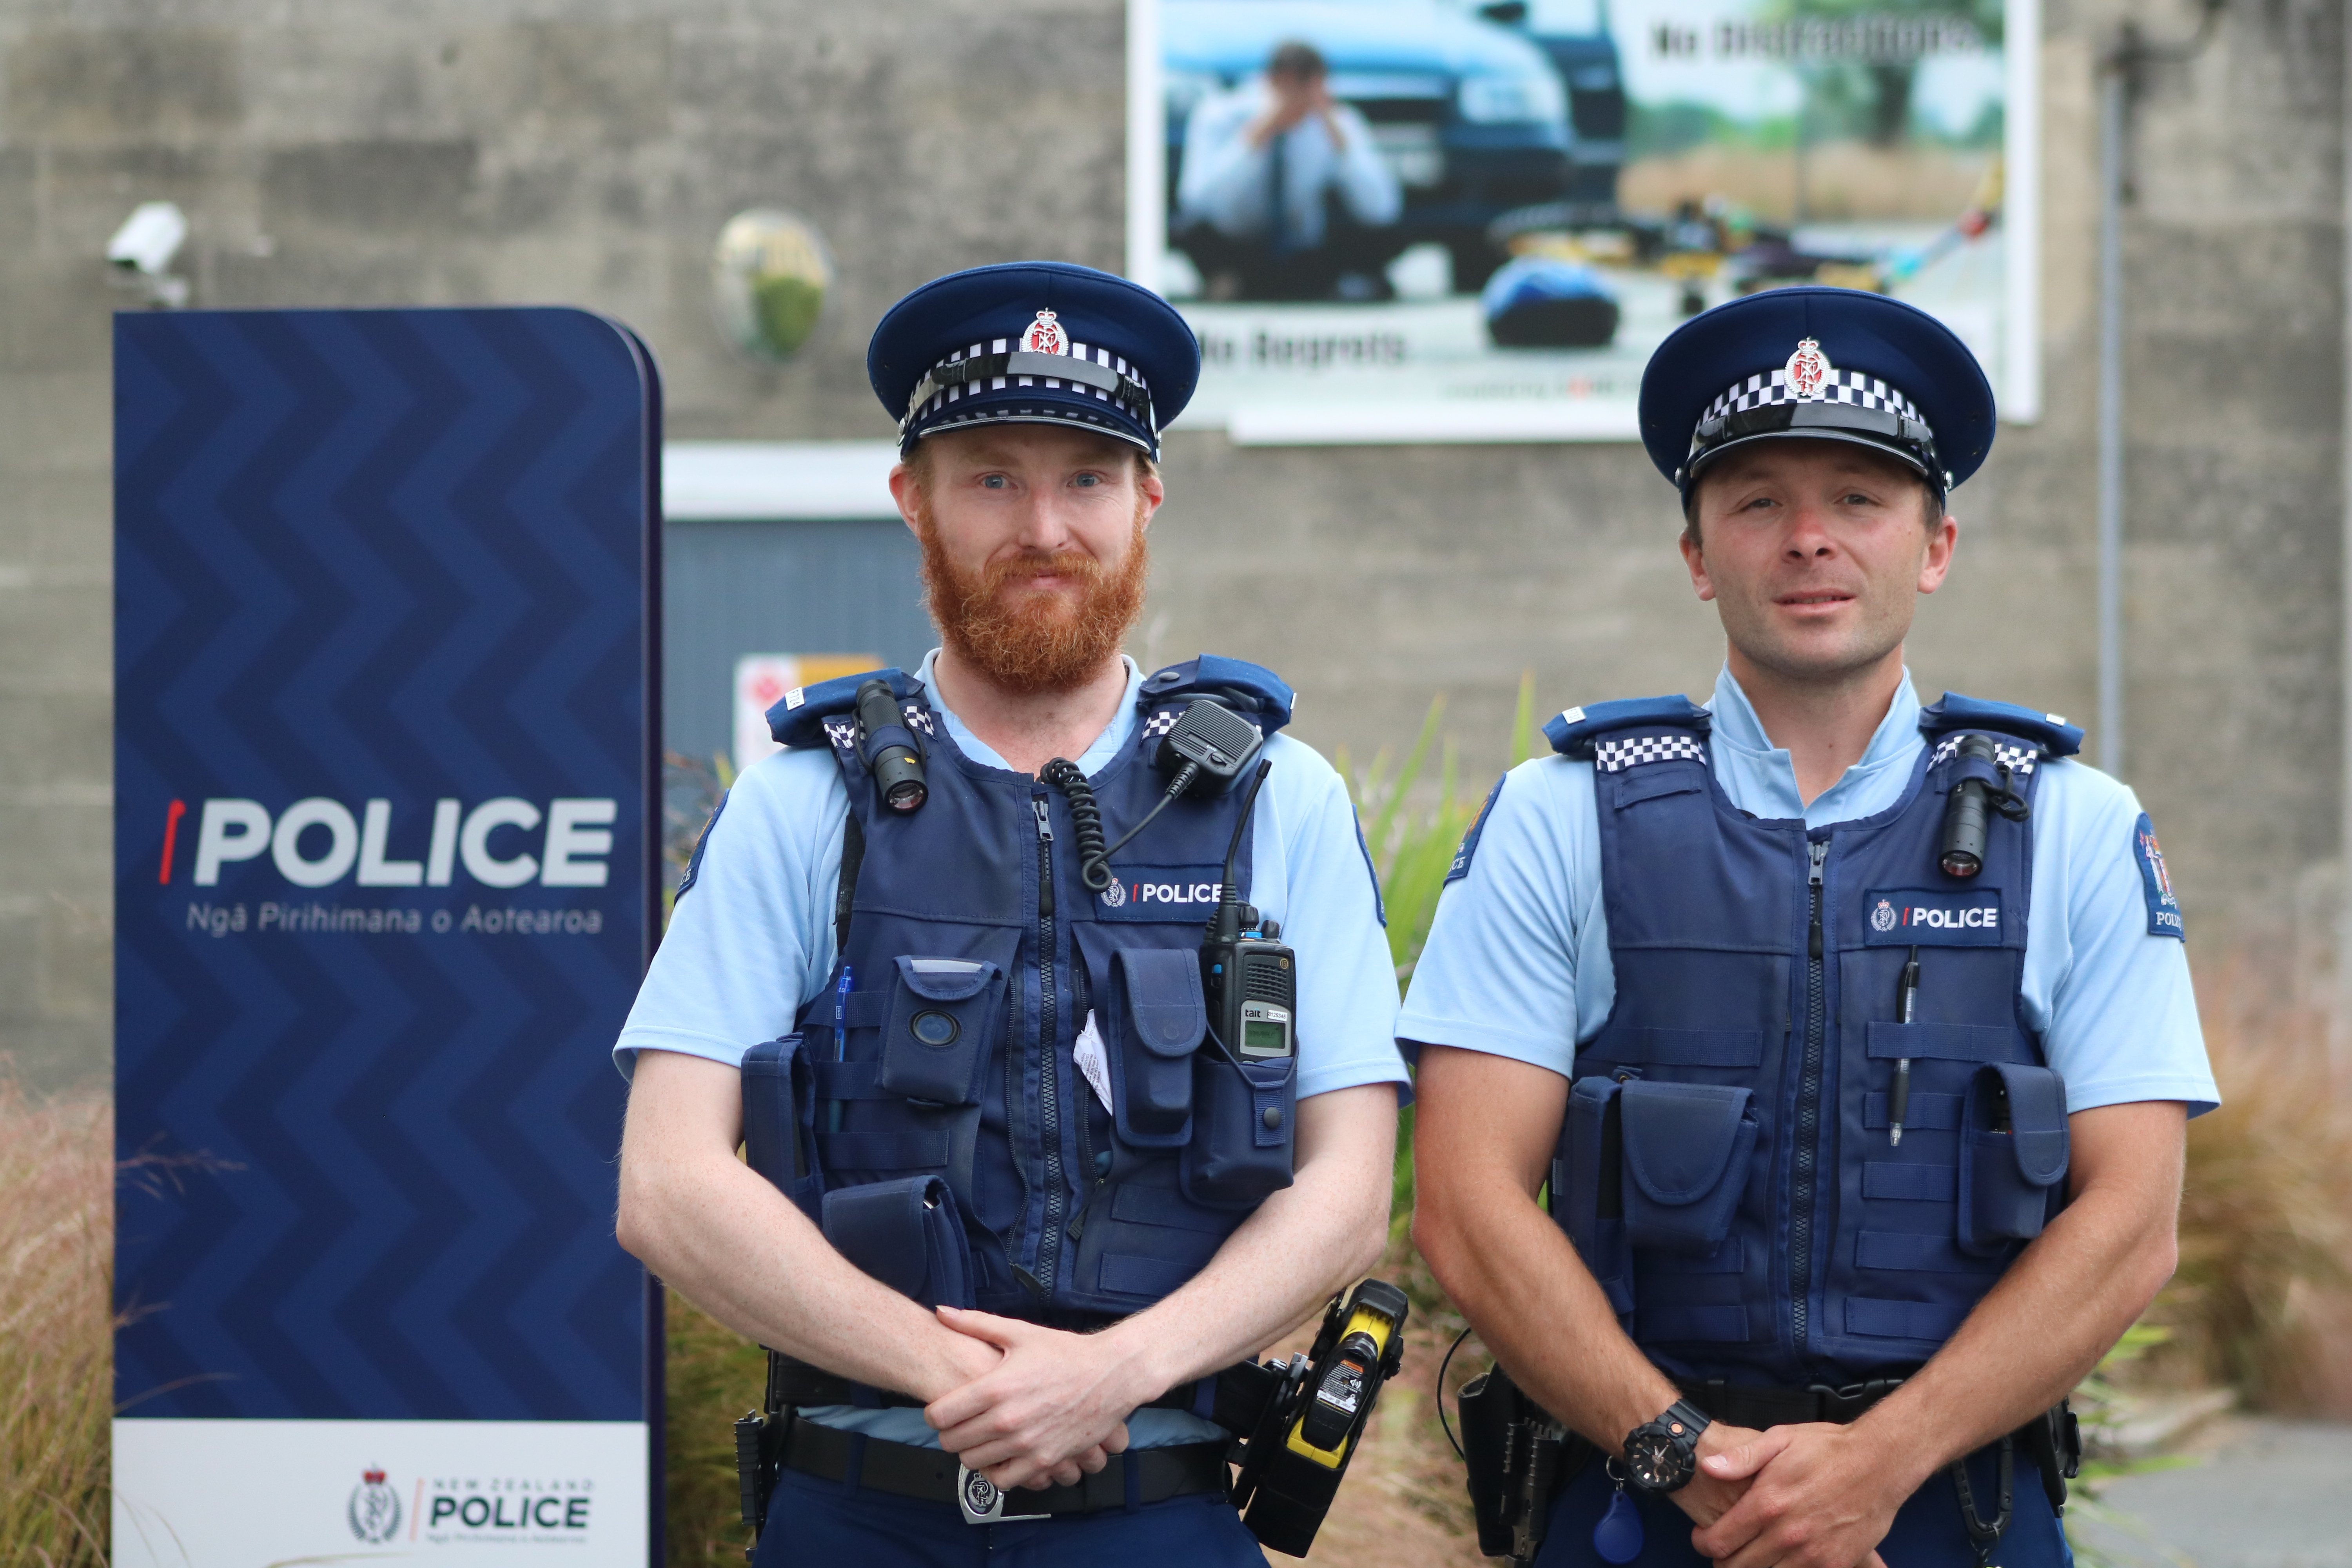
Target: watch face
<point>1655,1461</point>
<point>1656,1458</point>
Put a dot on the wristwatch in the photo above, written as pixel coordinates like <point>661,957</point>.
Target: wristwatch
<point>1662,1455</point>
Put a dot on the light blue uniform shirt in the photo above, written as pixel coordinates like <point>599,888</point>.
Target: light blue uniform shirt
<point>753,941</point>
<point>1525,927</point>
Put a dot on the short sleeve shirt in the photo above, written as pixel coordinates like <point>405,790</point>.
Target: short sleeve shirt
<point>1518,960</point>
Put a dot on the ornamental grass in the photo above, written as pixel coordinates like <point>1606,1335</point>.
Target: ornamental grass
<point>56,1270</point>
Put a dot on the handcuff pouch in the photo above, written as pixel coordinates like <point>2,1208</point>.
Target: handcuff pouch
<point>2013,1155</point>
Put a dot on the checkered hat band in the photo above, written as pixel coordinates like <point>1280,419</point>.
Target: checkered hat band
<point>1633,751</point>
<point>2018,760</point>
<point>948,396</point>
<point>1766,388</point>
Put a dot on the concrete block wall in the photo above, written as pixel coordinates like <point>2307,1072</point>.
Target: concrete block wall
<point>533,150</point>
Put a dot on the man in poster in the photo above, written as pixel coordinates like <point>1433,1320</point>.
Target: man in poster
<point>1284,193</point>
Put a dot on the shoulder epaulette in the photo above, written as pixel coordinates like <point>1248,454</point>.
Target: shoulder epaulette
<point>1255,692</point>
<point>1576,732</point>
<point>800,719</point>
<point>2048,732</point>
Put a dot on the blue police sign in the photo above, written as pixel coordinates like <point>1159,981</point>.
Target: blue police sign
<point>384,884</point>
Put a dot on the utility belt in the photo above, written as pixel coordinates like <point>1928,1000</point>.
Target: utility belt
<point>1293,1429</point>
<point>933,1475</point>
<point>1521,1458</point>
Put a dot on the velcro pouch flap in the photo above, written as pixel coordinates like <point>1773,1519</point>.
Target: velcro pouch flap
<point>945,979</point>
<point>1686,1148</point>
<point>906,1233</point>
<point>1165,1004</point>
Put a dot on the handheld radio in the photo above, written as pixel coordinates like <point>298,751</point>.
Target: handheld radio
<point>1248,975</point>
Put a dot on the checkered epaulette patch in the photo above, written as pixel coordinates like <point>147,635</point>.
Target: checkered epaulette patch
<point>2019,760</point>
<point>843,731</point>
<point>1632,751</point>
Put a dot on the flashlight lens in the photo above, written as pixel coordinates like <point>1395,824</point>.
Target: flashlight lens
<point>1960,863</point>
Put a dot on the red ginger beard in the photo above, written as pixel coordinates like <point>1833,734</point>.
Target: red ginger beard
<point>1031,643</point>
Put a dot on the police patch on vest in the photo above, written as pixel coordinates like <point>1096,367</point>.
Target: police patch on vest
<point>2163,908</point>
<point>1925,917</point>
<point>1160,893</point>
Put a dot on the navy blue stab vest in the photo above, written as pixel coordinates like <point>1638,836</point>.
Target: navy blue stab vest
<point>974,955</point>
<point>1726,1166</point>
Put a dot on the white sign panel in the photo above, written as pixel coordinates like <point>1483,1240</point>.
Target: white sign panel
<point>191,1493</point>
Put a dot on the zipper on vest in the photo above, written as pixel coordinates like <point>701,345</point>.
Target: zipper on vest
<point>1809,1113</point>
<point>1049,1245</point>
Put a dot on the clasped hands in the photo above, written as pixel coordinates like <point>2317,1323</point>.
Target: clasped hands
<point>1812,1495</point>
<point>1036,1406</point>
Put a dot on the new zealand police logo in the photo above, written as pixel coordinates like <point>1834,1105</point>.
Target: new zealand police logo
<point>1115,896</point>
<point>1807,370</point>
<point>1882,918</point>
<point>1045,335</point>
<point>374,1510</point>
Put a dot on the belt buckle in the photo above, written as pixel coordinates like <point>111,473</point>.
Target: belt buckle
<point>982,1502</point>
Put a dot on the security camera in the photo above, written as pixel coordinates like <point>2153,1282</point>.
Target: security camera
<point>148,239</point>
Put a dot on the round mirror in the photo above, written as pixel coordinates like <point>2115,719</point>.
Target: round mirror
<point>769,274</point>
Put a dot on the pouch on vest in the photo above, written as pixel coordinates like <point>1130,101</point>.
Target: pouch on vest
<point>906,1233</point>
<point>2013,1150</point>
<point>1157,1019</point>
<point>1241,1113</point>
<point>943,1013</point>
<point>1587,1187</point>
<point>1686,1154</point>
<point>779,1120</point>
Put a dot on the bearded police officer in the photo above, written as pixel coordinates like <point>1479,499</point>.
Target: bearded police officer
<point>1854,1038</point>
<point>1041,1203</point>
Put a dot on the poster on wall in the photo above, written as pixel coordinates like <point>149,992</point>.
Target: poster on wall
<point>1444,220</point>
<point>385,675</point>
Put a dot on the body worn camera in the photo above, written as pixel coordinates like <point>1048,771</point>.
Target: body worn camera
<point>1315,1414</point>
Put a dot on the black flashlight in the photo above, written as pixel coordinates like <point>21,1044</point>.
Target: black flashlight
<point>892,753</point>
<point>1968,814</point>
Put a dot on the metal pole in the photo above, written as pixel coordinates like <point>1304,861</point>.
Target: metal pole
<point>2342,1020</point>
<point>2114,91</point>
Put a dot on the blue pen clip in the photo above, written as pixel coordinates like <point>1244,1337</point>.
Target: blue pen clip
<point>840,1040</point>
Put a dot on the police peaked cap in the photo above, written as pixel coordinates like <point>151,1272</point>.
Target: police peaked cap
<point>977,348</point>
<point>1878,372</point>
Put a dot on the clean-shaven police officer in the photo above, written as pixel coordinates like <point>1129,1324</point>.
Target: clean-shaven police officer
<point>1003,1042</point>
<point>1856,1165</point>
